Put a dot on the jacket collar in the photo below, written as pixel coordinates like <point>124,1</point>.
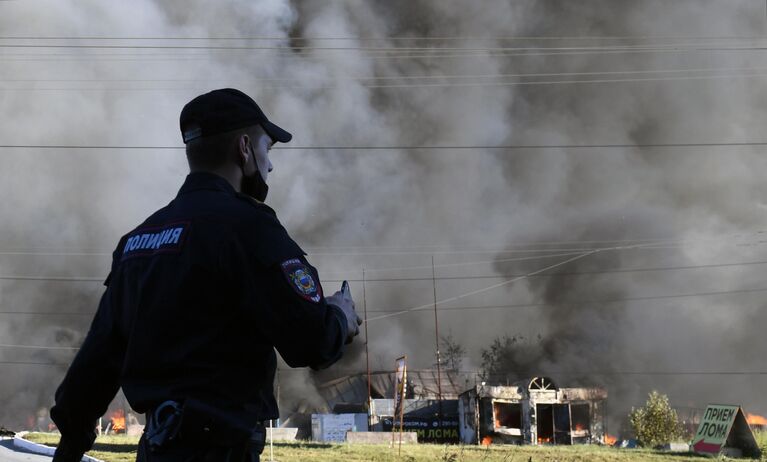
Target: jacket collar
<point>205,181</point>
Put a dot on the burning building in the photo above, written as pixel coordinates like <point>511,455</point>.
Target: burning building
<point>534,411</point>
<point>756,422</point>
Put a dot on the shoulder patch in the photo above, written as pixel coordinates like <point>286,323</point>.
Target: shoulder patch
<point>301,278</point>
<point>152,240</point>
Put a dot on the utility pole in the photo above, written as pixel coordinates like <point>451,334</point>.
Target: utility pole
<point>367,353</point>
<point>436,338</point>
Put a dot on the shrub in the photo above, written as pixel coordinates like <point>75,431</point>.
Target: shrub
<point>656,423</point>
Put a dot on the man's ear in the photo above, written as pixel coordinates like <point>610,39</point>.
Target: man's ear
<point>244,148</point>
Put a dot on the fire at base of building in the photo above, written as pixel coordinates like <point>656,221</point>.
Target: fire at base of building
<point>532,412</point>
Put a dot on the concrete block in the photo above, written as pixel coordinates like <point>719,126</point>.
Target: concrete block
<point>135,430</point>
<point>677,447</point>
<point>282,433</point>
<point>380,438</point>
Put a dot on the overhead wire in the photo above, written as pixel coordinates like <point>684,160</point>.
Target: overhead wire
<point>559,274</point>
<point>585,302</point>
<point>393,37</point>
<point>499,375</point>
<point>442,265</point>
<point>497,285</point>
<point>425,49</point>
<point>640,244</point>
<point>488,84</point>
<point>475,147</point>
<point>417,267</point>
<point>505,247</point>
<point>428,309</point>
<point>408,77</point>
<point>38,347</point>
<point>484,289</point>
<point>288,52</point>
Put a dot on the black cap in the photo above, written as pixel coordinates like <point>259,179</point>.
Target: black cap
<point>223,110</point>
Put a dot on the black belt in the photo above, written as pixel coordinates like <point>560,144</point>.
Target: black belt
<point>200,424</point>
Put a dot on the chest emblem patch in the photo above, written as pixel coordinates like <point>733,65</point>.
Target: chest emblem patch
<point>302,280</point>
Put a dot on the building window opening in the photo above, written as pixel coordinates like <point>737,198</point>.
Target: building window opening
<point>507,415</point>
<point>544,418</point>
<point>562,433</point>
<point>581,418</point>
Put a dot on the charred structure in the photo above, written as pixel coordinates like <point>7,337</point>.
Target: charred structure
<point>533,411</point>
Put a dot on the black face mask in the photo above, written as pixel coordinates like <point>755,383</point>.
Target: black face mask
<point>254,185</point>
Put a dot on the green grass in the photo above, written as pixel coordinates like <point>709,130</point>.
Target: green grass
<point>123,449</point>
<point>115,448</point>
<point>761,440</point>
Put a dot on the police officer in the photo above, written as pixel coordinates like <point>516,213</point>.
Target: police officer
<point>198,297</point>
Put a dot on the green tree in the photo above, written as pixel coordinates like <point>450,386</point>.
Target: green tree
<point>452,352</point>
<point>510,358</point>
<point>656,423</point>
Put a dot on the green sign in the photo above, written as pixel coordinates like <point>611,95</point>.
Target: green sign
<point>714,428</point>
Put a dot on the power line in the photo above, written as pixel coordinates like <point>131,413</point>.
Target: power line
<point>460,252</point>
<point>501,375</point>
<point>47,313</point>
<point>561,274</point>
<point>95,278</point>
<point>38,347</point>
<point>484,289</point>
<point>446,265</point>
<point>485,307</point>
<point>55,254</point>
<point>401,37</point>
<point>441,265</point>
<point>587,302</point>
<point>403,77</point>
<point>33,363</point>
<point>351,253</point>
<point>427,49</point>
<point>567,242</point>
<point>423,84</point>
<point>419,148</point>
<point>504,247</point>
<point>500,284</point>
<point>492,307</point>
<point>53,278</point>
<point>659,373</point>
<point>433,54</point>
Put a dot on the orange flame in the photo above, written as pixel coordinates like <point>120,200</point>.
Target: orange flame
<point>754,419</point>
<point>579,427</point>
<point>118,421</point>
<point>487,441</point>
<point>610,440</point>
<point>544,440</point>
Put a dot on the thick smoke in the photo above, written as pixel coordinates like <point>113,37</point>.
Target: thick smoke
<point>390,211</point>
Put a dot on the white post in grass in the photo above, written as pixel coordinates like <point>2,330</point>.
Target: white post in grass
<point>271,442</point>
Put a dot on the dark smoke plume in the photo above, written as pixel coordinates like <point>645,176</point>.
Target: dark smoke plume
<point>390,211</point>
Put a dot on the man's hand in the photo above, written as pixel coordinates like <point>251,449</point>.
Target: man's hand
<point>343,300</point>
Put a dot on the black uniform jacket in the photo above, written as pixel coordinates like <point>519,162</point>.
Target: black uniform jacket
<point>198,297</point>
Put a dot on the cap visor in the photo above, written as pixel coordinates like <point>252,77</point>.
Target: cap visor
<point>276,133</point>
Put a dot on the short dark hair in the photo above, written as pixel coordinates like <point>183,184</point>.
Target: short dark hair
<point>211,152</point>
